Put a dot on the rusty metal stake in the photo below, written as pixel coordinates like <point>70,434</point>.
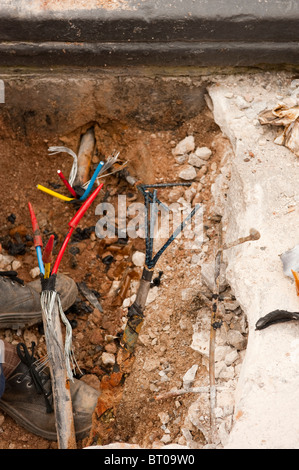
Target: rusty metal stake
<point>253,235</point>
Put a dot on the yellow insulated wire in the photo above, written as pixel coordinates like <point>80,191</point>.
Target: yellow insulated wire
<point>53,193</point>
<point>47,270</point>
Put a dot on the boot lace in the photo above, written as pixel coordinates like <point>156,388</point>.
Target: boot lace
<point>13,276</point>
<point>35,370</point>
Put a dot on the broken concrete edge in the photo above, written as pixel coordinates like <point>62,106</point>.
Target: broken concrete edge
<point>265,405</point>
<point>150,33</point>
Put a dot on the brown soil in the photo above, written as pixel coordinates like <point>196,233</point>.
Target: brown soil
<point>127,410</point>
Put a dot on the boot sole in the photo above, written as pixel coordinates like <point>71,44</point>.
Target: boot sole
<point>19,320</point>
<point>29,426</point>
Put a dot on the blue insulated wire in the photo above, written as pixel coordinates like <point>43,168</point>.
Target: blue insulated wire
<point>92,181</point>
<point>40,259</point>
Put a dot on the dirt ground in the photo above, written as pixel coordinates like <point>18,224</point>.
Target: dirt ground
<point>129,409</point>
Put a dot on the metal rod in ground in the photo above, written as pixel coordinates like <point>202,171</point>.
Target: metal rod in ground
<point>153,209</point>
<point>62,400</point>
<point>140,188</point>
<point>213,328</point>
<point>177,231</point>
<point>164,185</point>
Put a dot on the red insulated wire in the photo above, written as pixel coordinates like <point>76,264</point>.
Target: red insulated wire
<point>78,216</point>
<point>47,254</point>
<point>66,184</point>
<point>36,232</point>
<point>61,251</point>
<point>73,224</point>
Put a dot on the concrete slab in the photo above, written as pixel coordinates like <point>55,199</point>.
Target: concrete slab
<point>263,187</point>
<point>148,32</point>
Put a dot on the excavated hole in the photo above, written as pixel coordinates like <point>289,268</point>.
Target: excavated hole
<point>144,119</point>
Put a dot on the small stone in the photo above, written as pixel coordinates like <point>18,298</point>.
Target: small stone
<point>166,438</point>
<point>16,265</point>
<point>126,302</point>
<point>175,194</point>
<point>2,418</point>
<point>223,372</point>
<point>180,159</point>
<point>152,295</point>
<point>231,357</point>
<point>221,352</point>
<point>5,260</point>
<point>194,160</point>
<point>214,166</point>
<point>242,103</point>
<point>203,152</point>
<point>164,417</point>
<point>189,377</point>
<point>34,272</point>
<point>108,359</point>
<point>208,276</point>
<point>111,348</point>
<point>151,364</point>
<point>186,145</point>
<point>96,337</point>
<point>138,258</point>
<point>236,339</point>
<point>188,173</point>
<point>187,294</point>
<point>231,306</point>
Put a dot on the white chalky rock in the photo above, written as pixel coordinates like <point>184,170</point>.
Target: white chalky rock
<point>35,272</point>
<point>16,265</point>
<point>5,260</point>
<point>186,145</point>
<point>138,258</point>
<point>196,161</point>
<point>190,376</point>
<point>188,173</point>
<point>108,359</point>
<point>203,152</point>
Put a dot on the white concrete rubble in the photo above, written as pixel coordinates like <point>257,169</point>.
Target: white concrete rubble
<point>263,194</point>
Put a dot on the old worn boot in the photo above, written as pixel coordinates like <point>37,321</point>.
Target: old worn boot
<point>20,304</point>
<point>28,398</point>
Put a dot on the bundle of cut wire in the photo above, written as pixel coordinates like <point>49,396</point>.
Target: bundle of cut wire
<point>74,169</point>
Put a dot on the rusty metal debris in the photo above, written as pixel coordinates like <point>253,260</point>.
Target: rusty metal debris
<point>253,235</point>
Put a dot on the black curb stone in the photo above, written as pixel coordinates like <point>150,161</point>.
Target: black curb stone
<point>148,32</point>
